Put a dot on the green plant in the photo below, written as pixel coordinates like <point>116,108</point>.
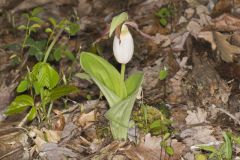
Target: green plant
<point>163,73</point>
<point>42,81</point>
<point>224,152</point>
<point>120,94</point>
<point>33,22</point>
<point>164,144</point>
<point>151,120</point>
<point>39,48</point>
<point>163,14</point>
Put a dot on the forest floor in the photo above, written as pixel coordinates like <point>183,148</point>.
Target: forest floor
<point>190,58</point>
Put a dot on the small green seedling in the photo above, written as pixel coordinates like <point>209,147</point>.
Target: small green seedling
<point>163,14</point>
<point>224,152</point>
<point>164,144</point>
<point>163,73</point>
<point>33,23</point>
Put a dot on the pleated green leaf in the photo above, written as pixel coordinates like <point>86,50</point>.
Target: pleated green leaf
<point>19,104</point>
<point>119,114</point>
<point>103,72</point>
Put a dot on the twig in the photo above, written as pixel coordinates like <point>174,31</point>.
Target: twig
<point>23,121</point>
<point>227,113</point>
<point>10,153</point>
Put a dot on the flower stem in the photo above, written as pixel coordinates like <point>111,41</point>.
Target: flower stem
<point>123,66</point>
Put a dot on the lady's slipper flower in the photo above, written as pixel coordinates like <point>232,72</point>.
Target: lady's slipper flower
<point>123,46</point>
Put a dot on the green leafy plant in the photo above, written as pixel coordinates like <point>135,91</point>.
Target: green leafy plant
<point>39,48</point>
<point>42,81</point>
<point>224,152</point>
<point>33,23</point>
<point>164,144</point>
<point>151,120</point>
<point>120,94</point>
<point>163,14</point>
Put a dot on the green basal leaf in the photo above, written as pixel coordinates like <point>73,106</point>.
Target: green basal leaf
<point>169,150</point>
<point>32,113</point>
<point>208,148</point>
<point>48,30</point>
<point>37,20</point>
<point>57,53</point>
<point>163,12</point>
<point>52,21</point>
<point>19,104</point>
<point>69,55</point>
<point>163,74</point>
<point>166,136</point>
<point>163,22</point>
<point>73,28</point>
<point>62,91</point>
<point>36,11</point>
<point>200,157</point>
<point>83,76</point>
<point>119,114</point>
<point>102,71</point>
<point>133,82</point>
<point>47,76</point>
<point>228,147</point>
<point>23,86</point>
<point>116,21</point>
<point>111,97</point>
<point>22,27</point>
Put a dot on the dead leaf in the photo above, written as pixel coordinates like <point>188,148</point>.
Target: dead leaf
<point>51,135</point>
<point>208,36</point>
<point>87,119</point>
<point>52,151</point>
<point>60,123</point>
<point>178,40</point>
<point>196,117</point>
<point>227,51</point>
<point>194,28</point>
<point>226,22</point>
<point>149,148</point>
<point>198,135</point>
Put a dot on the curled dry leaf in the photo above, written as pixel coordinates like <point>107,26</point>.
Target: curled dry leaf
<point>87,119</point>
<point>208,36</point>
<point>60,123</point>
<point>227,51</point>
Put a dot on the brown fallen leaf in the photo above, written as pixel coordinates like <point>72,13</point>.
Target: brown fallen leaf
<point>87,119</point>
<point>196,117</point>
<point>226,22</point>
<point>60,123</point>
<point>149,148</point>
<point>227,51</point>
<point>208,36</point>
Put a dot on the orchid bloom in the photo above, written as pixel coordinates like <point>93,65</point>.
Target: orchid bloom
<point>123,46</point>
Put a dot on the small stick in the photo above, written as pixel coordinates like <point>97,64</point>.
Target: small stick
<point>227,113</point>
